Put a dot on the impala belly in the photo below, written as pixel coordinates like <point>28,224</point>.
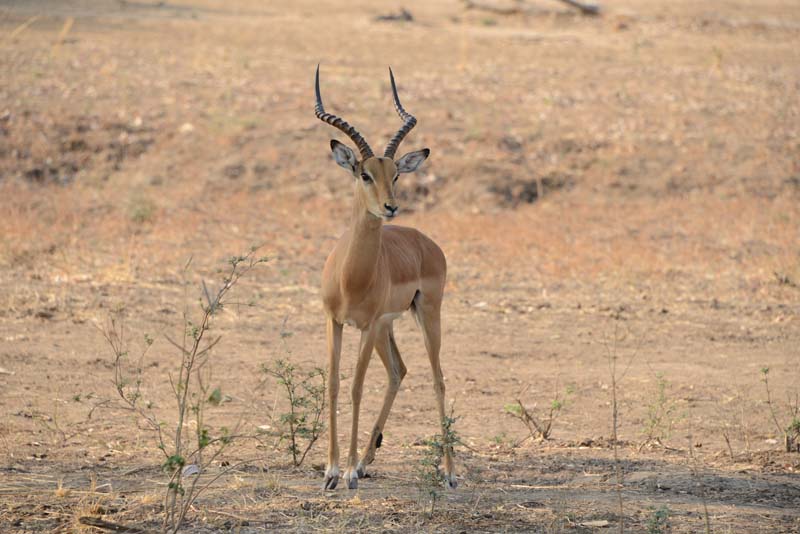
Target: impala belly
<point>361,314</point>
<point>400,298</point>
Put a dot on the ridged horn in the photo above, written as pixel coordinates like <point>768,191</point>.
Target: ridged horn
<point>408,121</point>
<point>341,124</point>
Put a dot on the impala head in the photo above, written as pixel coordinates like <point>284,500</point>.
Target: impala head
<point>375,176</point>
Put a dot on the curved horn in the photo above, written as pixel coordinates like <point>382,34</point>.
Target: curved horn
<point>408,121</point>
<point>341,124</point>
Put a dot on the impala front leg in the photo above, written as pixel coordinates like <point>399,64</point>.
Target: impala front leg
<point>334,334</point>
<point>364,354</point>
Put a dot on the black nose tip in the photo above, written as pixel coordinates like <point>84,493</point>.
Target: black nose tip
<point>390,208</point>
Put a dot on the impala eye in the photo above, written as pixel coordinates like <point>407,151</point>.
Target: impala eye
<point>365,177</point>
<point>396,176</point>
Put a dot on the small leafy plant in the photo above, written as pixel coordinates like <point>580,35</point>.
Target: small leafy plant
<point>661,415</point>
<point>789,428</point>
<point>184,456</point>
<point>658,522</point>
<point>301,425</point>
<point>540,426</point>
<point>430,478</point>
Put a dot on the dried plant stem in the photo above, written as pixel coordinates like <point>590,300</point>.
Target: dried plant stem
<point>614,419</point>
<point>791,431</point>
<point>770,404</point>
<point>698,481</point>
<point>728,443</point>
<point>21,28</point>
<point>612,358</point>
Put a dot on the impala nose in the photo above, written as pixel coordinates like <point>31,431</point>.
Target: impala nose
<point>392,210</point>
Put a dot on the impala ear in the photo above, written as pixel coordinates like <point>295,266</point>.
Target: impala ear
<point>411,161</point>
<point>343,155</point>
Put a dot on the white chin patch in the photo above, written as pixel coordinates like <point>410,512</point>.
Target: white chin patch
<point>381,216</point>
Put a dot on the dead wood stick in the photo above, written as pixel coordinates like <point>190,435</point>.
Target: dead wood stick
<point>108,525</point>
<point>238,517</point>
<point>586,9</point>
<point>469,4</point>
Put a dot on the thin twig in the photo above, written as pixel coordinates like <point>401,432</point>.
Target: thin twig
<point>698,481</point>
<point>238,518</point>
<point>96,522</point>
<point>19,29</point>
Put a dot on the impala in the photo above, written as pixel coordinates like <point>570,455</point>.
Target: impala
<point>374,274</point>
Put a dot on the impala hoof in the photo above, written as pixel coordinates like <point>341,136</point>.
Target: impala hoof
<point>331,479</point>
<point>361,470</point>
<point>450,482</point>
<point>351,477</point>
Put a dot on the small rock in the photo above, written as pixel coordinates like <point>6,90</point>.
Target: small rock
<point>403,15</point>
<point>234,171</point>
<point>191,469</point>
<point>597,523</point>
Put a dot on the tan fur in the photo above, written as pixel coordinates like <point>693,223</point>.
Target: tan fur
<point>375,273</point>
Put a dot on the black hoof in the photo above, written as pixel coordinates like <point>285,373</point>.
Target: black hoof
<point>330,483</point>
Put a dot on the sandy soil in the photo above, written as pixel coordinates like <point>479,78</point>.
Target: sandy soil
<point>663,136</point>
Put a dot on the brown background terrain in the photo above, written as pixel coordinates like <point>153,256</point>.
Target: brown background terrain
<point>664,136</point>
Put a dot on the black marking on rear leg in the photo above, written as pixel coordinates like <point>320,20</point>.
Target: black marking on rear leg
<point>379,441</point>
<point>413,305</point>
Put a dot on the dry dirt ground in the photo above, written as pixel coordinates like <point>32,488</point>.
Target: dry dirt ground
<point>623,186</point>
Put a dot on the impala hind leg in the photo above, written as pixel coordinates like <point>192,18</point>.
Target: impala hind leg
<point>364,354</point>
<point>429,318</point>
<point>396,370</point>
<point>334,336</point>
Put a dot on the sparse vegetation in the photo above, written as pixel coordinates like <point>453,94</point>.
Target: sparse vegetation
<point>185,458</point>
<point>540,426</point>
<point>141,209</point>
<point>52,424</point>
<point>735,424</point>
<point>658,522</point>
<point>698,480</point>
<point>301,425</point>
<point>430,478</point>
<point>789,426</point>
<point>612,360</point>
<point>661,415</point>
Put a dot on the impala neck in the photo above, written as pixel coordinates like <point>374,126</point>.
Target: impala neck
<point>361,260</point>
